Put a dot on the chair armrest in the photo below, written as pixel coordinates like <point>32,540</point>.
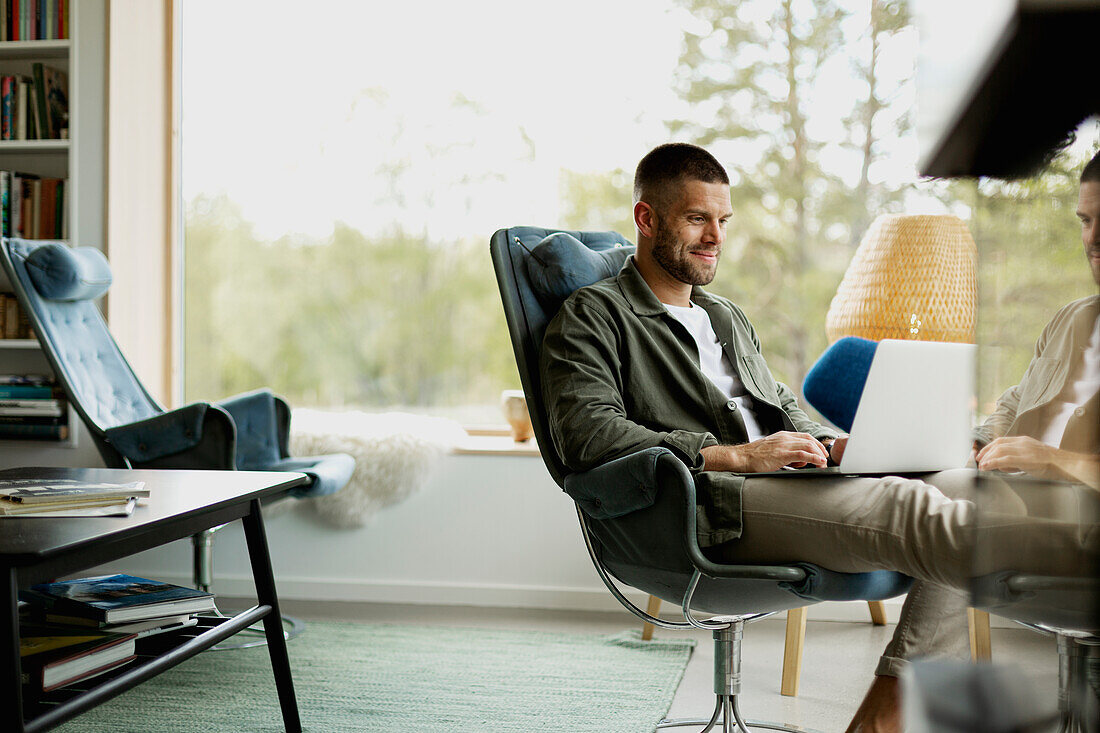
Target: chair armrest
<point>632,483</point>
<point>262,432</point>
<point>618,487</point>
<point>194,436</point>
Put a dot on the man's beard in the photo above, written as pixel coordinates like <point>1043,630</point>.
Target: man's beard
<point>673,257</point>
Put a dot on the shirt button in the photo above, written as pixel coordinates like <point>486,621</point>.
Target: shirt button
<point>732,405</point>
<point>1079,412</point>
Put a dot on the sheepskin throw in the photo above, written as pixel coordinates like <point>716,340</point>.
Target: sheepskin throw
<point>394,454</point>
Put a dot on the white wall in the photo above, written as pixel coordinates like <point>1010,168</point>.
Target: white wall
<point>484,531</point>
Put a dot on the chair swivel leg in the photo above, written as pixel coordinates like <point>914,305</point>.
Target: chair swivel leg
<point>727,686</point>
<point>1079,683</point>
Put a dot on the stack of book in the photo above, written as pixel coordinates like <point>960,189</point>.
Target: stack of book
<point>34,20</point>
<point>73,630</point>
<point>32,407</point>
<point>35,107</point>
<point>13,321</point>
<point>33,207</point>
<point>68,497</point>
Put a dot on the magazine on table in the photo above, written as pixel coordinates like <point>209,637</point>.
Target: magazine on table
<point>69,498</point>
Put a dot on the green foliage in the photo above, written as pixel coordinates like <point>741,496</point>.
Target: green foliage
<point>398,319</point>
<point>391,320</point>
<point>748,71</point>
<point>1031,263</point>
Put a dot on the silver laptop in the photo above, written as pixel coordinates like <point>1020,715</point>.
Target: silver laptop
<point>915,412</point>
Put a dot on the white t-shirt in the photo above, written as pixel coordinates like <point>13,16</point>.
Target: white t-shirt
<point>714,363</point>
<point>1081,386</point>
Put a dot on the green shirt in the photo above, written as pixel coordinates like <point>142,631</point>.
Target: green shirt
<point>620,374</point>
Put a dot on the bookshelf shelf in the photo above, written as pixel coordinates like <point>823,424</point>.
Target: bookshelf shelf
<point>39,160</point>
<point>19,344</point>
<point>35,146</point>
<point>37,50</point>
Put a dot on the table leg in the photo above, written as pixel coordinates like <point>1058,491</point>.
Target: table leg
<point>12,710</point>
<point>273,623</point>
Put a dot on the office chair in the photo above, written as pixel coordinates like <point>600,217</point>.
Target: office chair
<point>56,286</point>
<point>1066,607</point>
<point>637,513</point>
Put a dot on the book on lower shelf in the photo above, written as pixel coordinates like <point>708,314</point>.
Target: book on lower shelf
<point>53,657</point>
<point>117,598</point>
<point>32,408</point>
<point>141,629</point>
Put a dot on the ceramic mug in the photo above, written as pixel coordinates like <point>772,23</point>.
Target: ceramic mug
<point>514,405</point>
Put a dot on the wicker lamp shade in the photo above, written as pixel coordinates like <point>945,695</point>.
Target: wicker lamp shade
<point>912,277</point>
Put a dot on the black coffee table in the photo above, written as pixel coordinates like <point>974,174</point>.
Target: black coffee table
<point>181,503</point>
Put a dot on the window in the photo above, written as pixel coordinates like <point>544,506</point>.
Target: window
<point>344,167</point>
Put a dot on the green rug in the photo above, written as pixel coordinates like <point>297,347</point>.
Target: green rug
<point>356,677</point>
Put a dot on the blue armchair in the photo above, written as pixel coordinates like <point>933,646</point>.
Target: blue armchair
<point>637,513</point>
<point>57,286</point>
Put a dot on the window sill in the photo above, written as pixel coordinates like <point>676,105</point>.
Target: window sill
<point>482,443</point>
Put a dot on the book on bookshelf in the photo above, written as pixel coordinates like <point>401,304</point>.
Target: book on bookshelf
<point>45,408</point>
<point>27,391</point>
<point>51,101</point>
<point>117,598</point>
<point>34,20</point>
<point>53,657</point>
<point>8,86</point>
<point>14,323</point>
<point>34,207</point>
<point>36,379</point>
<point>22,431</point>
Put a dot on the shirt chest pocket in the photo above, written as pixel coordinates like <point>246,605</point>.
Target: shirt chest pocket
<point>758,378</point>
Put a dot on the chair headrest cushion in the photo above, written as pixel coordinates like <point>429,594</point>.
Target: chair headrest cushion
<point>561,263</point>
<point>835,383</point>
<point>68,273</point>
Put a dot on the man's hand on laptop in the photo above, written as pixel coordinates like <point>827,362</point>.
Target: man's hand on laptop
<point>836,448</point>
<point>1026,454</point>
<point>770,453</point>
<point>1020,453</point>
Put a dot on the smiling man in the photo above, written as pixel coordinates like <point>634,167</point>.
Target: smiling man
<point>649,358</point>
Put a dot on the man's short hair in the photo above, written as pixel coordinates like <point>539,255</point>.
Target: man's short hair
<point>1091,174</point>
<point>669,164</point>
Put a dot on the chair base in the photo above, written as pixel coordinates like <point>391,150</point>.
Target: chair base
<point>255,636</point>
<point>727,718</point>
<point>1078,682</point>
<point>727,686</point>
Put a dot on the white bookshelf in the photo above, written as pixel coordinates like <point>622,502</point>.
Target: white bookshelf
<point>81,160</point>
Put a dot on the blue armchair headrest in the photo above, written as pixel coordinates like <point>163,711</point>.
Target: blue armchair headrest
<point>835,383</point>
<point>561,263</point>
<point>66,273</point>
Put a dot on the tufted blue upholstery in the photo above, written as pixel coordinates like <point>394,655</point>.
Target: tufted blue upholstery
<point>100,381</point>
<point>653,549</point>
<point>57,286</point>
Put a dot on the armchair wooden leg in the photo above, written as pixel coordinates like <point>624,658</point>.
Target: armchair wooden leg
<point>792,651</point>
<point>878,612</point>
<point>981,646</point>
<point>652,608</point>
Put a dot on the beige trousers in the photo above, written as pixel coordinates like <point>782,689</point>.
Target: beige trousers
<point>922,528</point>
